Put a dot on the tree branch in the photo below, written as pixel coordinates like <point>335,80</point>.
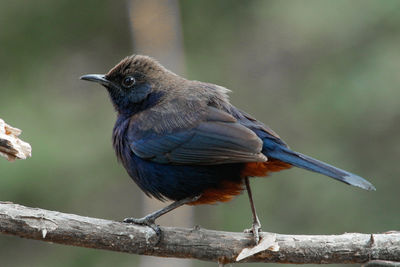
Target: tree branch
<point>196,243</point>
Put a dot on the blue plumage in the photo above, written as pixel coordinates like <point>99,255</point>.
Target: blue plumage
<point>277,151</point>
<point>162,180</point>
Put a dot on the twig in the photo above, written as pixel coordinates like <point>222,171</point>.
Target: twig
<point>196,243</point>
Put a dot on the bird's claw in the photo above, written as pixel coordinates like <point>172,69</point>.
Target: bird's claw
<point>146,221</point>
<point>255,230</point>
<point>141,221</point>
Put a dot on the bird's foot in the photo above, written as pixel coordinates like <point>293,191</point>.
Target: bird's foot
<point>255,230</point>
<point>146,221</point>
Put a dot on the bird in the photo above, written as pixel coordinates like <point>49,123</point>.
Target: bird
<point>182,140</point>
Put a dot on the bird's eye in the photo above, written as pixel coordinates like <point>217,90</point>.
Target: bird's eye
<point>128,81</point>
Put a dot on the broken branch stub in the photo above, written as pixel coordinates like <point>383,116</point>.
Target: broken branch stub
<point>11,147</point>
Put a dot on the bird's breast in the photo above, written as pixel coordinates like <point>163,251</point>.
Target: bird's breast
<point>119,140</point>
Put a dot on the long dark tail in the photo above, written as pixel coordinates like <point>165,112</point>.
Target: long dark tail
<point>284,154</point>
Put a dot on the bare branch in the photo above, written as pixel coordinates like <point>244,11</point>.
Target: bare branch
<point>11,146</point>
<point>196,243</point>
<point>378,263</point>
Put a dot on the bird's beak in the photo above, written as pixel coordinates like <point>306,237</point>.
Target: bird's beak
<point>98,78</point>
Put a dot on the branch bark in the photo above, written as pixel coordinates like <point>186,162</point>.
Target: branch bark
<point>196,243</point>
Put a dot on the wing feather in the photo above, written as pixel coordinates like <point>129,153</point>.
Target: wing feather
<point>218,139</point>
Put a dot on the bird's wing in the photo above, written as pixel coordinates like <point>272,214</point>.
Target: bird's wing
<point>264,132</point>
<point>217,139</point>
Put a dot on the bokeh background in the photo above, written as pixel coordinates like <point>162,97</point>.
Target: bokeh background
<point>323,74</point>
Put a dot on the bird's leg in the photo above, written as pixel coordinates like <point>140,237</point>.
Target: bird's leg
<point>149,219</point>
<point>256,227</point>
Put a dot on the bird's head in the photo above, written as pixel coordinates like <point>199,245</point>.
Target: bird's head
<point>134,84</point>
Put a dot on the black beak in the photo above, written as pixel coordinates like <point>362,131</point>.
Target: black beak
<point>98,78</point>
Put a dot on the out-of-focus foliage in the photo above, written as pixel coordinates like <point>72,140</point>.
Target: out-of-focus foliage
<point>323,74</point>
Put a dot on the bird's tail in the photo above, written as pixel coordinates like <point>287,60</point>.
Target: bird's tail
<point>305,162</point>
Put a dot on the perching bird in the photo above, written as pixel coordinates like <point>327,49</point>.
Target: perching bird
<point>182,140</point>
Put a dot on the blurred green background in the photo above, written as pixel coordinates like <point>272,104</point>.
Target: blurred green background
<point>323,74</point>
